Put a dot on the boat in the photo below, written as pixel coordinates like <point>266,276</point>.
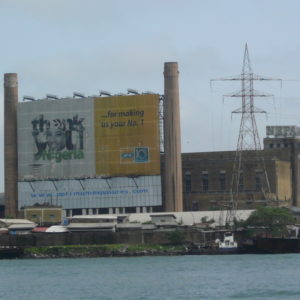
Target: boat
<point>10,252</point>
<point>229,245</point>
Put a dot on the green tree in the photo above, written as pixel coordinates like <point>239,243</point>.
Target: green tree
<point>269,220</point>
<point>175,237</point>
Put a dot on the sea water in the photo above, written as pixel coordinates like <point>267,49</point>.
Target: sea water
<point>162,277</point>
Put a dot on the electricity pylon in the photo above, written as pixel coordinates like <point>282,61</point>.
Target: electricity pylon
<point>248,134</point>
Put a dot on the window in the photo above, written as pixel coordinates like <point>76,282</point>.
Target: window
<point>103,211</point>
<point>205,181</point>
<point>195,206</point>
<point>77,211</point>
<point>130,210</point>
<point>271,145</point>
<point>241,182</point>
<point>258,185</point>
<point>222,180</point>
<point>188,181</point>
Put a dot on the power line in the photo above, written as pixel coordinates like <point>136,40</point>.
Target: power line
<point>248,138</point>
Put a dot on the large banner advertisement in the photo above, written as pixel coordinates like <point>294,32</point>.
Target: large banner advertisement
<point>127,135</point>
<point>88,138</point>
<point>92,193</point>
<point>55,139</point>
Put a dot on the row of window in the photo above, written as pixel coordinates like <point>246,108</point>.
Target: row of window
<point>103,211</point>
<point>222,181</point>
<point>279,145</point>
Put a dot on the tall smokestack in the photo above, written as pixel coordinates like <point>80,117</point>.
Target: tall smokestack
<point>10,144</point>
<point>172,140</point>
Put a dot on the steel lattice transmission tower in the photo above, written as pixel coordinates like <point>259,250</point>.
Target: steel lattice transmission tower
<point>248,138</point>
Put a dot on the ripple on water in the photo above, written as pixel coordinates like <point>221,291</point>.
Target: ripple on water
<point>151,278</point>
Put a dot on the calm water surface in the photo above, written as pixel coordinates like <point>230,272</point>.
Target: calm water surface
<point>181,277</point>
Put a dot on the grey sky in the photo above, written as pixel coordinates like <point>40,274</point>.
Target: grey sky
<point>61,46</point>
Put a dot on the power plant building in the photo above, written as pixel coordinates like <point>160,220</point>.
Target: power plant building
<point>99,155</point>
<point>207,176</point>
<point>90,155</point>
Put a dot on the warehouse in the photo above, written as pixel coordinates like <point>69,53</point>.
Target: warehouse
<point>90,155</point>
<point>122,154</point>
<point>207,176</point>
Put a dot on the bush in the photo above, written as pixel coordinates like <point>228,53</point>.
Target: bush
<point>270,220</point>
<point>176,237</point>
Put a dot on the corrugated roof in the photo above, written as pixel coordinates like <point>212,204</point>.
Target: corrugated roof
<point>100,217</point>
<point>90,225</point>
<point>8,222</point>
<point>57,228</point>
<point>21,226</point>
<point>39,229</point>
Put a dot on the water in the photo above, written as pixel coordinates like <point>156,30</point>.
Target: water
<point>142,278</point>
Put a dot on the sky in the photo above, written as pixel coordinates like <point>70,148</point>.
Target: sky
<point>62,46</point>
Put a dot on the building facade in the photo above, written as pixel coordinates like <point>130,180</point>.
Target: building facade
<point>90,155</point>
<point>207,176</point>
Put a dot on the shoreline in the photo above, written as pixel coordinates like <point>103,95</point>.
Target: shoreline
<point>108,250</point>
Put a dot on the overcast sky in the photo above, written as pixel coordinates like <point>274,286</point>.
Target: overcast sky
<point>61,46</point>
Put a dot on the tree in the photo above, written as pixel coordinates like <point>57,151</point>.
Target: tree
<point>175,237</point>
<point>269,220</point>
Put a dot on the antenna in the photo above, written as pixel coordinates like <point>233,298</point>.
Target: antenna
<point>30,98</point>
<point>132,91</point>
<point>248,138</point>
<point>105,93</point>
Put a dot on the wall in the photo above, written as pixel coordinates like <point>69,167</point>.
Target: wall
<point>93,238</point>
<point>284,180</point>
<point>43,215</point>
<point>90,152</point>
<point>213,164</point>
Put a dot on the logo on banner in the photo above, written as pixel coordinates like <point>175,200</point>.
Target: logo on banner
<point>135,155</point>
<point>58,139</point>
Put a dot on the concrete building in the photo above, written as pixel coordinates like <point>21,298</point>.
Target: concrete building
<point>92,155</point>
<point>207,176</point>
<point>101,155</point>
<point>2,205</point>
<point>44,216</point>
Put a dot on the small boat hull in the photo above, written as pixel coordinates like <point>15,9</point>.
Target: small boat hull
<point>8,252</point>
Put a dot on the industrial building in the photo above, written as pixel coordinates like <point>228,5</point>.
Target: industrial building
<point>90,153</point>
<point>93,155</point>
<point>122,154</point>
<point>207,176</point>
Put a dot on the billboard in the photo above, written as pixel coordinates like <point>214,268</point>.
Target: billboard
<point>92,193</point>
<point>283,131</point>
<point>88,138</point>
<point>54,139</point>
<point>127,135</point>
